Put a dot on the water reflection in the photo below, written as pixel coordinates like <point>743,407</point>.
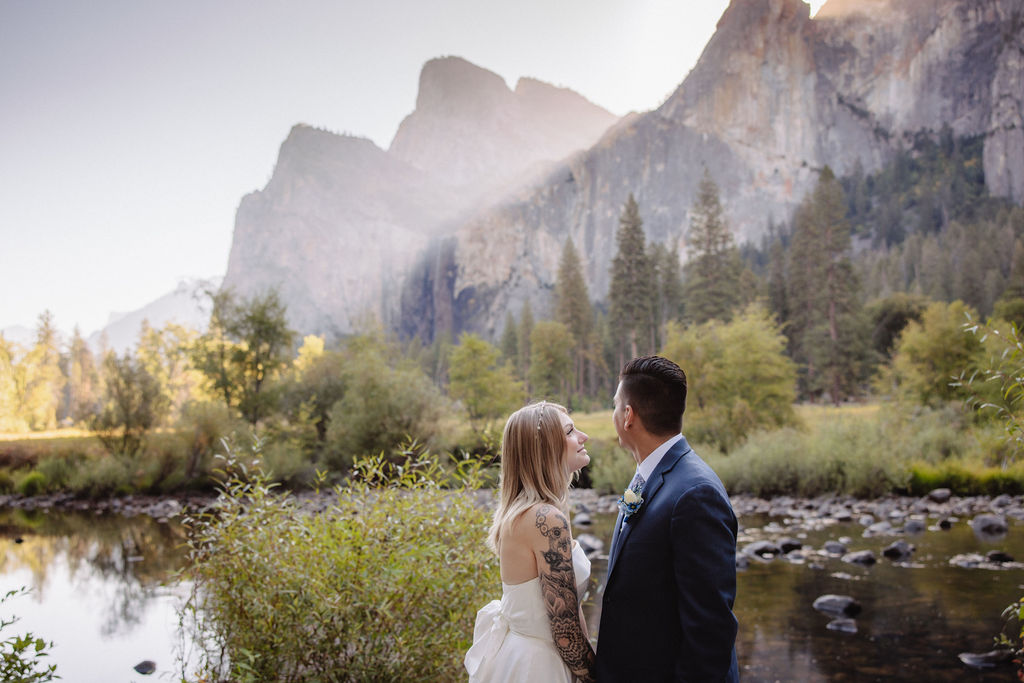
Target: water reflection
<point>97,589</point>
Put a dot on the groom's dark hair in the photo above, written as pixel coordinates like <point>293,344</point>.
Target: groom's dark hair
<point>656,389</point>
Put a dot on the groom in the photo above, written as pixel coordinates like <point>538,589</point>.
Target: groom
<point>667,609</point>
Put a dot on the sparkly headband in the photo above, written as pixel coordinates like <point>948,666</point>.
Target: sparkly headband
<point>540,414</point>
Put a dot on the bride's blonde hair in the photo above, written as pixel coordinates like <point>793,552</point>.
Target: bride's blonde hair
<point>533,466</point>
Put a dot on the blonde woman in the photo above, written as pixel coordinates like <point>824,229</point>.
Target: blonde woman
<point>536,632</point>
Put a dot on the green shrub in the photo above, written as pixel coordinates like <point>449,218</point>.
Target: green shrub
<point>32,484</point>
<point>611,468</point>
<point>384,585</point>
<point>58,470</point>
<point>103,477</point>
<point>20,655</point>
<point>6,482</point>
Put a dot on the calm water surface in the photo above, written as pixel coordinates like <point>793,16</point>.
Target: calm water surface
<point>101,592</point>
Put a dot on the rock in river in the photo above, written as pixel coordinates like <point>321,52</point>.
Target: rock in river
<point>843,625</point>
<point>864,557</point>
<point>145,667</point>
<point>986,660</point>
<point>898,551</point>
<point>991,525</point>
<point>837,605</point>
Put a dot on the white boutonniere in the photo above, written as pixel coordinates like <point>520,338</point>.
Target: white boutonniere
<point>629,502</point>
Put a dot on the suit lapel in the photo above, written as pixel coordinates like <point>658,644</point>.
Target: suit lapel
<point>651,489</point>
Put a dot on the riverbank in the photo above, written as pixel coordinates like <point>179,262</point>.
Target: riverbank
<point>940,506</point>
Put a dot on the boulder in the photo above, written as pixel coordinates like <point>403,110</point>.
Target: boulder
<point>762,549</point>
<point>879,529</point>
<point>145,667</point>
<point>590,543</point>
<point>788,545</point>
<point>998,556</point>
<point>837,605</point>
<point>914,526</point>
<point>864,557</point>
<point>939,495</point>
<point>835,547</point>
<point>989,525</point>
<point>898,551</point>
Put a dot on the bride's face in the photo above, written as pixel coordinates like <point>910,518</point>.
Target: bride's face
<point>575,454</point>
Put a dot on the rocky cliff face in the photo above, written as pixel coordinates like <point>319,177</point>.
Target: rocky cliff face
<point>340,224</point>
<point>465,216</point>
<point>774,98</point>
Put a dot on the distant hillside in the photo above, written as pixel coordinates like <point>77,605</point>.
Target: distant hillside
<point>185,306</point>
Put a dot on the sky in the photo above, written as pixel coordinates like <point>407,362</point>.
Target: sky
<point>131,129</point>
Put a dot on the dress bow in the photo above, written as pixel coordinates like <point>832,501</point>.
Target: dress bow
<point>488,635</point>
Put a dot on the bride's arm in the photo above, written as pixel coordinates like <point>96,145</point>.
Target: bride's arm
<point>553,547</point>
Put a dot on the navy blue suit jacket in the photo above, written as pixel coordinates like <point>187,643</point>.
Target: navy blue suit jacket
<point>667,608</point>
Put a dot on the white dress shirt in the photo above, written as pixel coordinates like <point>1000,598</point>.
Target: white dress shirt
<point>647,467</point>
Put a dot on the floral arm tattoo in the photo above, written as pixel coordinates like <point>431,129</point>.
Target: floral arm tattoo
<point>558,587</point>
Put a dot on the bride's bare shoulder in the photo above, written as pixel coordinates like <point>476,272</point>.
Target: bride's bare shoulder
<point>539,525</point>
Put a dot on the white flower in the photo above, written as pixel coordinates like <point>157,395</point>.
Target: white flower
<point>630,497</point>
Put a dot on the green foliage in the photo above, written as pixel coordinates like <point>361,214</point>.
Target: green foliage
<point>995,381</point>
<point>890,316</point>
<point>133,405</point>
<point>574,310</point>
<point>247,343</point>
<point>826,331</point>
<point>316,383</point>
<point>33,483</point>
<point>526,323</point>
<point>713,269</point>
<point>383,585</point>
<point>739,378</point>
<point>486,389</point>
<point>551,368</point>
<point>21,656</point>
<point>868,451</point>
<point>611,467</point>
<point>931,354</point>
<point>630,292</point>
<point>83,382</point>
<point>166,354</point>
<point>387,400</point>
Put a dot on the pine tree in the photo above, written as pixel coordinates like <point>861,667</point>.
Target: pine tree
<point>525,330</point>
<point>713,269</point>
<point>573,309</point>
<point>828,333</point>
<point>510,340</point>
<point>83,386</point>
<point>630,313</point>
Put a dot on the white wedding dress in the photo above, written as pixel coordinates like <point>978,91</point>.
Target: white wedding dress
<point>512,640</point>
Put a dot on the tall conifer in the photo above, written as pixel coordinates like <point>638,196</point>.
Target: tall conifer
<point>713,268</point>
<point>573,309</point>
<point>630,313</point>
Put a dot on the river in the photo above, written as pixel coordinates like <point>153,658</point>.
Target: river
<point>103,589</point>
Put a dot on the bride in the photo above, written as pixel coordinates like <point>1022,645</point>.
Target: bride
<point>536,632</point>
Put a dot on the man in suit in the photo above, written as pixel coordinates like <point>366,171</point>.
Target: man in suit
<point>668,597</point>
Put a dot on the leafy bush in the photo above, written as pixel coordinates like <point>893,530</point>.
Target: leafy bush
<point>6,482</point>
<point>739,377</point>
<point>611,468</point>
<point>32,484</point>
<point>386,401</point>
<point>20,655</point>
<point>383,585</point>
